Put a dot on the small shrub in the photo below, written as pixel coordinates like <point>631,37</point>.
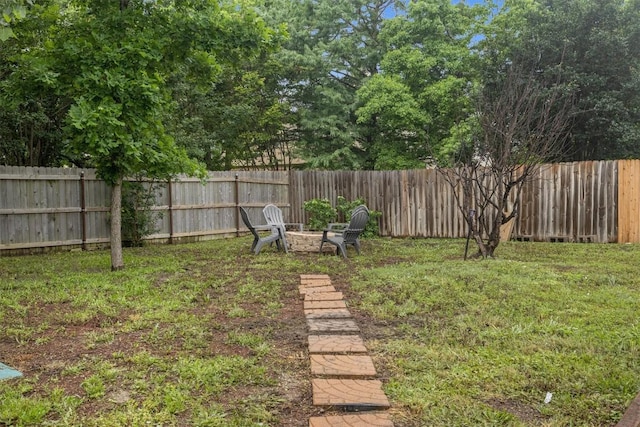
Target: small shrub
<point>138,220</point>
<point>321,213</point>
<point>345,208</point>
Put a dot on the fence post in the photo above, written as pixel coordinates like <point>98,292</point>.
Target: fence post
<point>170,204</point>
<point>83,212</point>
<point>237,200</point>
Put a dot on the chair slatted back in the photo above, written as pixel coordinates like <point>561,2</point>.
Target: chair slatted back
<point>357,224</point>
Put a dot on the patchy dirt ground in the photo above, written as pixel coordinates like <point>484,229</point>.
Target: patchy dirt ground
<point>59,344</point>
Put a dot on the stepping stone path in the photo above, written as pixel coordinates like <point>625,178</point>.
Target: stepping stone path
<point>344,375</point>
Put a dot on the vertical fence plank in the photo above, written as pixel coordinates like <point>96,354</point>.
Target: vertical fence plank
<point>628,201</point>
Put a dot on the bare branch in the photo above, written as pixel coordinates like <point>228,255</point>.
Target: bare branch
<point>524,119</point>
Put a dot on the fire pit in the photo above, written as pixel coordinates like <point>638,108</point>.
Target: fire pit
<point>307,241</point>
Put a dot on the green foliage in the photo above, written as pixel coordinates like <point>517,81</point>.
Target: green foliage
<point>241,119</point>
<point>333,48</point>
<point>94,387</point>
<point>31,112</point>
<point>321,213</point>
<point>117,81</point>
<point>10,11</point>
<point>345,208</point>
<point>433,82</point>
<point>398,142</point>
<point>592,46</point>
<point>138,220</point>
<point>111,62</point>
<point>136,87</point>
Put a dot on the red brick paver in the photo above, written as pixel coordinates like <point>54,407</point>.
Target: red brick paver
<point>304,289</point>
<point>309,305</point>
<point>365,394</point>
<point>344,365</point>
<point>360,420</point>
<point>332,325</point>
<point>327,313</point>
<point>336,344</point>
<point>315,282</point>
<point>314,276</point>
<point>323,296</point>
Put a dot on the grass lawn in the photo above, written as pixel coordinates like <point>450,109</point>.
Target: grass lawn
<point>207,334</point>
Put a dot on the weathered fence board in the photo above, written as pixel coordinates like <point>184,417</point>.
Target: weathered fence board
<point>576,202</point>
<point>572,202</point>
<point>44,207</point>
<point>629,201</point>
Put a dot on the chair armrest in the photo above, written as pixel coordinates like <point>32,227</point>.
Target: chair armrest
<point>263,227</point>
<point>333,225</point>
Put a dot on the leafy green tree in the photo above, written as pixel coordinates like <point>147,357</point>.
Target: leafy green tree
<point>333,48</point>
<point>12,11</point>
<point>423,101</point>
<point>395,123</point>
<point>239,120</point>
<point>113,60</point>
<point>597,45</point>
<point>138,219</point>
<point>31,113</point>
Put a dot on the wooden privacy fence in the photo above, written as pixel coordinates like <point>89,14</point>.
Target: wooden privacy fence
<point>51,207</point>
<point>565,202</point>
<point>576,202</point>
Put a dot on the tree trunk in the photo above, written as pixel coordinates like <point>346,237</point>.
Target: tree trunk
<point>116,226</point>
<point>494,235</point>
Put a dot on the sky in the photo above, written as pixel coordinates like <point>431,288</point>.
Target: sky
<point>472,2</point>
<point>389,13</point>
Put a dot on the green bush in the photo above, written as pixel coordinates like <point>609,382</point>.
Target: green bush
<point>321,213</point>
<point>138,220</point>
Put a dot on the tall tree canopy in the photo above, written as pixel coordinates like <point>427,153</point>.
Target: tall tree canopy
<point>106,66</point>
<point>596,44</point>
<point>31,111</point>
<point>358,84</point>
<point>334,46</point>
<point>421,103</point>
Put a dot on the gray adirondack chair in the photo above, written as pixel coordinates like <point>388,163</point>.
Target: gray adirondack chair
<point>350,235</point>
<point>273,215</point>
<point>260,240</point>
<point>339,226</point>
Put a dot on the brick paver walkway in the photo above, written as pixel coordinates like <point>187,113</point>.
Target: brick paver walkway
<point>336,344</point>
<point>339,358</point>
<point>305,289</point>
<point>324,304</point>
<point>332,325</point>
<point>355,394</point>
<point>342,365</point>
<point>327,313</point>
<point>631,417</point>
<point>323,296</point>
<point>360,420</point>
